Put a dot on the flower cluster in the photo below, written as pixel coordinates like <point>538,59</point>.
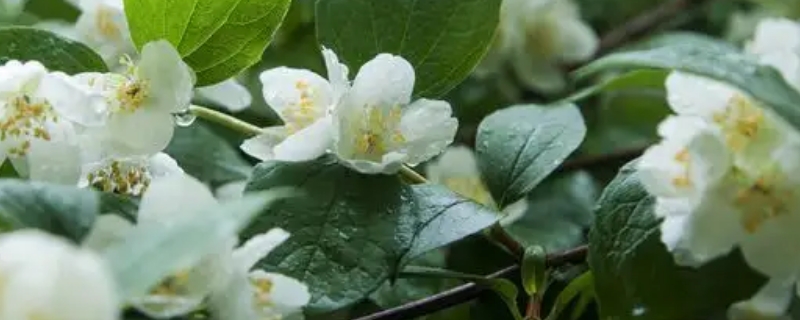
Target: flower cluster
<point>87,129</point>
<point>535,38</point>
<point>724,174</point>
<point>40,271</point>
<point>371,124</point>
<point>223,278</point>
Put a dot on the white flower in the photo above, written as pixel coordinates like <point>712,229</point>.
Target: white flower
<point>777,43</point>
<point>229,94</point>
<point>128,176</point>
<point>303,100</point>
<point>376,126</point>
<point>224,277</point>
<point>103,26</point>
<point>724,177</point>
<point>34,135</point>
<point>231,190</point>
<point>40,277</point>
<point>536,37</point>
<point>457,169</point>
<point>145,97</point>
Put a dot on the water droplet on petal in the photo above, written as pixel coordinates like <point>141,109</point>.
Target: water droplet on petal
<point>184,118</point>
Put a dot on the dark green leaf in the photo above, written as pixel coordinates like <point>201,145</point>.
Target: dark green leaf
<point>635,276</point>
<point>53,51</point>
<point>405,290</point>
<point>559,211</point>
<point>445,218</point>
<point>582,288</point>
<point>762,82</point>
<point>149,253</point>
<point>352,230</point>
<point>217,38</point>
<point>520,146</point>
<point>62,210</point>
<point>443,39</point>
<point>206,156</point>
<point>124,206</point>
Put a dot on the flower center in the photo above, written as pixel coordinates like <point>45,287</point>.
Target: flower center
<point>683,180</point>
<point>377,132</point>
<point>23,120</point>
<point>120,178</point>
<point>741,121</point>
<point>106,24</point>
<point>172,286</point>
<point>304,112</point>
<point>131,94</point>
<point>762,201</point>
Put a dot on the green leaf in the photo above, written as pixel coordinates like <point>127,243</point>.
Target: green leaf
<point>534,269</point>
<point>519,146</point>
<point>62,210</point>
<point>559,211</point>
<point>634,273</point>
<point>443,39</point>
<point>55,52</point>
<point>582,288</point>
<point>149,253</point>
<point>206,156</point>
<point>763,83</point>
<point>121,205</point>
<point>405,290</point>
<point>217,38</point>
<point>445,218</point>
<point>351,231</point>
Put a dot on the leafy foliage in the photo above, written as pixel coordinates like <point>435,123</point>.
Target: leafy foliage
<point>218,39</point>
<point>351,231</point>
<point>54,51</point>
<point>536,140</point>
<point>426,33</point>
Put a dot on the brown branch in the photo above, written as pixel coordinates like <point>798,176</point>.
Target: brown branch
<point>469,291</point>
<point>643,24</point>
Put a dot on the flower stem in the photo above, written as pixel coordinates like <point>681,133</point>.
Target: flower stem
<point>412,175</point>
<point>225,120</point>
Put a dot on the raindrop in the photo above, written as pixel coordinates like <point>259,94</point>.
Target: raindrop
<point>184,118</point>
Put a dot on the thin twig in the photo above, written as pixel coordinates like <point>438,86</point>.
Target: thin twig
<point>644,24</point>
<point>469,291</point>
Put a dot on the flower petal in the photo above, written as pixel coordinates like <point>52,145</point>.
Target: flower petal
<point>229,94</point>
<point>164,307</point>
<point>541,75</point>
<point>428,127</point>
<point>385,81</point>
<point>455,162</point>
<point>689,94</point>
<point>234,300</point>
<point>338,73</point>
<point>286,90</point>
<point>172,198</point>
<point>262,146</point>
<point>775,35</point>
<point>767,249</point>
<point>144,131</point>
<point>771,302</point>
<point>513,212</point>
<point>54,161</point>
<point>307,144</point>
<point>288,294</point>
<point>72,100</point>
<point>162,165</point>
<point>257,247</point>
<point>170,80</point>
<point>108,229</point>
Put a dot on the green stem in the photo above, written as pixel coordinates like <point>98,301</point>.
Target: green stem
<point>225,120</point>
<point>499,234</point>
